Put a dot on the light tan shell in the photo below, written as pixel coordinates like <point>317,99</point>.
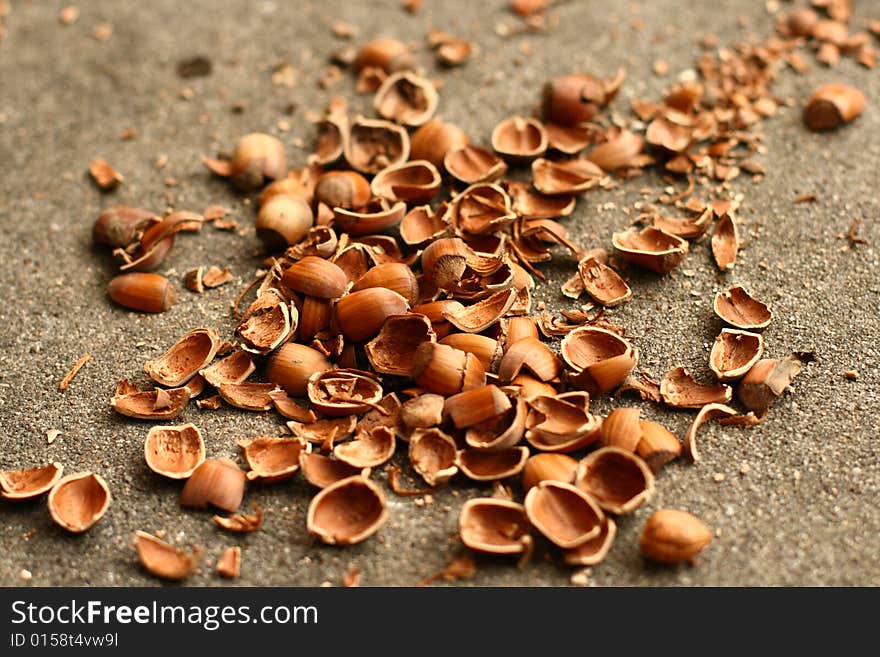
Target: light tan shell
<point>481,465</point>
<point>767,380</point>
<point>650,248</point>
<point>531,204</point>
<point>738,308</point>
<point>406,98</point>
<point>248,395</point>
<point>621,150</point>
<point>474,164</point>
<point>500,432</point>
<point>272,458</point>
<point>78,501</point>
<point>369,449</point>
<point>234,368</point>
<point>241,522</point>
<point>322,471</point>
<point>156,404</point>
<point>595,550</point>
<point>218,482</point>
<point>375,217</point>
<point>422,225</point>
<point>344,391</point>
<point>29,483</point>
<point>548,467</point>
<point>348,511</point>
<point>482,208</point>
<point>392,351</point>
<point>602,283</point>
<point>533,355</point>
<point>601,359</point>
<point>229,563</point>
<point>621,429</point>
<point>567,516</point>
<point>569,139</point>
<point>174,451</point>
<point>689,227</point>
<point>494,526</point>
<point>618,480</point>
<point>416,181</point>
<point>164,560</point>
<point>561,423</point>
<point>680,390</point>
<point>373,145</point>
<point>519,138</point>
<point>185,358</point>
<point>432,453</point>
<point>267,323</point>
<point>326,431</point>
<point>565,177</point>
<point>707,412</point>
<point>734,352</point>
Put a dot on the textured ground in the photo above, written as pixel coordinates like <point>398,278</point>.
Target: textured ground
<point>805,513</point>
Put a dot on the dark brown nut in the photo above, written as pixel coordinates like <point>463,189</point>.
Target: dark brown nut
<point>141,291</point>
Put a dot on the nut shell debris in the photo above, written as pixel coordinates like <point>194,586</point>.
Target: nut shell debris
<point>29,483</point>
<point>617,479</point>
<point>494,526</point>
<point>164,560</point>
<point>218,482</point>
<point>174,451</point>
<point>347,512</point>
<point>183,360</point>
<point>736,307</point>
<point>566,515</point>
<point>78,501</point>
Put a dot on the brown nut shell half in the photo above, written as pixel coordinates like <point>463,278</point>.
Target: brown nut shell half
<point>734,352</point>
<point>29,483</point>
<point>156,404</point>
<point>78,501</point>
<point>369,449</point>
<point>249,395</point>
<point>602,283</point>
<point>416,181</point>
<point>326,431</point>
<point>338,392</point>
<point>257,156</point>
<point>384,53</point>
<point>832,105</point>
<point>421,225</point>
<point>569,139</point>
<point>234,368</point>
<point>671,536</point>
<point>471,164</point>
<point>595,550</point>
<point>725,243</point>
<point>291,366</point>
<point>500,432</point>
<point>621,429</point>
<point>565,177</point>
<point>567,516</point>
<point>561,423</point>
<point>369,220</point>
<point>520,139</point>
<point>373,145</point>
<point>657,446</point>
<point>433,140</point>
<point>218,482</point>
<point>347,512</point>
<point>481,315</point>
<point>322,471</point>
<point>622,150</point>
<point>680,390</point>
<point>529,353</point>
<point>432,454</point>
<point>766,381</point>
<point>164,560</point>
<point>494,526</point>
<point>272,458</point>
<point>738,308</point>
<point>706,413</point>
<point>142,291</point>
<point>689,228</point>
<point>422,412</point>
<point>174,451</point>
<point>193,352</point>
<point>481,465</point>
<point>530,204</point>
<point>482,208</point>
<point>267,323</point>
<point>618,480</point>
<point>601,358</point>
<point>406,98</point>
<point>650,248</point>
<point>393,350</point>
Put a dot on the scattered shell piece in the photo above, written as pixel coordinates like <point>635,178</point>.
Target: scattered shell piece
<point>433,455</point>
<point>601,359</point>
<point>832,105</point>
<point>347,511</point>
<point>373,145</point>
<point>494,526</point>
<point>461,567</point>
<point>164,560</point>
<point>519,138</point>
<point>566,515</point>
<point>324,432</point>
<point>406,98</point>
<point>219,482</point>
<point>78,501</point>
<point>272,459</point>
<point>657,445</point>
<point>241,522</point>
<point>532,354</point>
<point>561,423</point>
<point>77,366</point>
<point>708,412</point>
<point>738,308</point>
<point>229,563</point>
<point>618,480</point>
<point>650,248</point>
<point>767,379</point>
<point>602,283</point>
<point>369,449</point>
<point>291,410</point>
<point>672,536</point>
<point>267,323</point>
<point>29,483</point>
<point>248,395</point>
<point>595,550</point>
<point>422,412</point>
<point>174,451</point>
<point>482,208</point>
<point>105,176</point>
<point>234,368</point>
<point>621,150</point>
<point>322,471</point>
<point>481,465</point>
<point>502,431</point>
<point>531,204</point>
<point>565,177</point>
<point>725,243</point>
<point>344,391</point>
<point>734,353</point>
<point>392,351</point>
<point>185,358</point>
<point>471,164</point>
<point>680,390</point>
<point>416,181</point>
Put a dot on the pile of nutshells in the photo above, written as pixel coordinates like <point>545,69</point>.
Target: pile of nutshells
<point>396,307</point>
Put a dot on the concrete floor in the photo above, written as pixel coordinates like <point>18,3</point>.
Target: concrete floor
<point>805,514</point>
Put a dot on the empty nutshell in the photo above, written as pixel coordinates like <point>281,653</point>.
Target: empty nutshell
<point>736,307</point>
<point>156,404</point>
<point>370,448</point>
<point>433,453</point>
<point>322,471</point>
<point>595,550</point>
<point>78,501</point>
<point>651,248</point>
<point>174,451</point>
<point>271,458</point>
<point>241,523</point>
<point>617,479</point>
<point>229,563</point>
<point>29,483</point>
<point>406,98</point>
<point>519,139</point>
<point>493,526</point>
<point>600,358</point>
<point>672,536</point>
<point>267,323</point>
<point>164,560</point>
<point>680,390</point>
<point>347,512</point>
<point>567,516</point>
<point>481,465</point>
<point>734,353</point>
<point>183,360</point>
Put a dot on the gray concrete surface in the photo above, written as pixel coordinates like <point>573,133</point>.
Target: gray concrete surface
<point>806,513</point>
